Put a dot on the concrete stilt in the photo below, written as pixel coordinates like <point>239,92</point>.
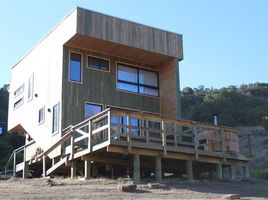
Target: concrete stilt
<point>189,169</point>
<point>87,169</point>
<point>73,169</point>
<point>232,172</point>
<point>158,169</point>
<point>219,170</point>
<point>136,168</point>
<point>44,166</point>
<point>25,171</point>
<point>246,171</point>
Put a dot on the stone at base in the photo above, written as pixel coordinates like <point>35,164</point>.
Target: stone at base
<point>231,196</point>
<point>126,187</point>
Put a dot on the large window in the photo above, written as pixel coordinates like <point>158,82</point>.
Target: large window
<point>19,90</point>
<point>18,103</point>
<point>137,80</point>
<point>92,109</point>
<point>98,63</point>
<point>41,115</point>
<point>75,70</point>
<point>30,87</point>
<point>55,121</point>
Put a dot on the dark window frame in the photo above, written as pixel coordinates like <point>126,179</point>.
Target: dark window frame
<point>99,63</point>
<point>81,67</point>
<point>138,84</point>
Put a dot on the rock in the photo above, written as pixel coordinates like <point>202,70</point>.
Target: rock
<point>231,196</point>
<point>50,183</point>
<point>127,187</point>
<point>157,186</point>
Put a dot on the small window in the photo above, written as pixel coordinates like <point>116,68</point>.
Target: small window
<point>98,63</point>
<point>19,90</point>
<point>18,103</point>
<point>75,67</point>
<point>30,87</point>
<point>41,115</point>
<point>55,122</point>
<point>92,109</point>
<point>137,80</point>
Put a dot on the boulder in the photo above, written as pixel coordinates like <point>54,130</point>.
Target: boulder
<point>157,186</point>
<point>231,196</point>
<point>127,187</point>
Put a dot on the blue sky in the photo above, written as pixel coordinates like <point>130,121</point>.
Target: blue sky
<point>225,42</point>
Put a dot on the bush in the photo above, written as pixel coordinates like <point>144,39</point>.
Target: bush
<point>260,174</point>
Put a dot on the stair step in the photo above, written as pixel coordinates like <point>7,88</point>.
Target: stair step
<point>57,165</point>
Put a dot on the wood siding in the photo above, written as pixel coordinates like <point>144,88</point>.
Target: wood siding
<point>99,87</point>
<point>128,33</point>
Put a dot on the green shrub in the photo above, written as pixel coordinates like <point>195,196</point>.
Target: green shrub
<point>260,174</point>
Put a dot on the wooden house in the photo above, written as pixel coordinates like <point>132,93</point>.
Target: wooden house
<point>100,95</point>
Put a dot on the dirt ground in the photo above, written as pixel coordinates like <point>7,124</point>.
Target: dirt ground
<point>40,188</point>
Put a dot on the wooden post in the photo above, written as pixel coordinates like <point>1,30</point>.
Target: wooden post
<point>249,145</point>
<point>14,164</point>
<point>129,133</point>
<point>136,168</point>
<point>196,143</point>
<point>189,169</point>
<point>219,170</point>
<point>147,132</point>
<point>175,127</point>
<point>87,169</point>
<point>158,169</point>
<point>89,135</point>
<point>246,171</point>
<point>44,166</point>
<point>109,126</point>
<point>73,169</point>
<point>163,133</point>
<point>72,147</point>
<point>232,172</point>
<point>223,145</point>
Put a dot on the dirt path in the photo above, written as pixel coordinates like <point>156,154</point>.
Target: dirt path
<point>107,189</point>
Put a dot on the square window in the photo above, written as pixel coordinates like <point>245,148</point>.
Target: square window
<point>98,63</point>
<point>92,109</point>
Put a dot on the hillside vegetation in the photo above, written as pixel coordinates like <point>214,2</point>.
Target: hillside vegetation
<point>246,105</point>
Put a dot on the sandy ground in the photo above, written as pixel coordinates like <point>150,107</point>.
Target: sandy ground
<point>107,189</point>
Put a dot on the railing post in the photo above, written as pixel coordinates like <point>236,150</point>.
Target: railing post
<point>72,146</point>
<point>196,143</point>
<point>89,135</point>
<point>129,133</point>
<point>249,145</point>
<point>163,133</point>
<point>14,164</point>
<point>146,131</point>
<point>109,126</point>
<point>223,145</point>
<point>175,135</point>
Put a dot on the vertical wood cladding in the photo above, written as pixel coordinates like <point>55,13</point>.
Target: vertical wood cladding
<point>98,87</point>
<point>121,31</point>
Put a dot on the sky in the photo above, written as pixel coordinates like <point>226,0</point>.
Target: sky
<point>225,42</point>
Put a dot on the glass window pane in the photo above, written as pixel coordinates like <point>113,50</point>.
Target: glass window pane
<point>92,109</point>
<point>149,91</point>
<point>148,78</point>
<point>104,64</point>
<point>30,86</point>
<point>55,124</point>
<point>75,67</point>
<point>127,87</point>
<point>41,115</point>
<point>93,62</point>
<point>127,74</point>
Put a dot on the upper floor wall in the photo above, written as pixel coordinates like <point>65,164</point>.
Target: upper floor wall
<point>116,30</point>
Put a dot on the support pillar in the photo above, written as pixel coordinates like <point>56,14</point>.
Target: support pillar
<point>219,170</point>
<point>246,171</point>
<point>14,165</point>
<point>189,169</point>
<point>44,166</point>
<point>158,169</point>
<point>232,172</point>
<point>73,169</point>
<point>136,168</point>
<point>94,170</point>
<point>87,169</point>
<point>25,171</point>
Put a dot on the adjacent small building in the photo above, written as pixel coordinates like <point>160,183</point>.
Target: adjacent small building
<point>100,96</point>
